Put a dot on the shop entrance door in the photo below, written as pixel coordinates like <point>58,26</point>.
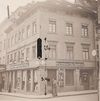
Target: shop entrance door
<point>85,79</point>
<point>51,74</point>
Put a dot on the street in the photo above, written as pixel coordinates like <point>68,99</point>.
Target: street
<point>89,97</point>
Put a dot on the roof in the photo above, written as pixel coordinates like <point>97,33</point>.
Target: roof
<point>23,13</point>
<point>54,5</point>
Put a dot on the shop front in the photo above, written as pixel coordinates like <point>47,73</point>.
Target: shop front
<point>87,79</point>
<point>19,80</point>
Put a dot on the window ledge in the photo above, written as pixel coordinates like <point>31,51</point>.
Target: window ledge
<point>52,33</point>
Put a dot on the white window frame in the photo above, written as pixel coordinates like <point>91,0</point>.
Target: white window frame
<point>52,26</point>
<point>85,53</point>
<point>69,29</point>
<point>33,52</point>
<point>70,56</point>
<point>28,31</point>
<point>84,30</point>
<point>53,50</point>
<point>34,27</point>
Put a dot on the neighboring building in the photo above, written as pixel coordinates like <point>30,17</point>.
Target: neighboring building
<point>2,77</point>
<point>69,30</point>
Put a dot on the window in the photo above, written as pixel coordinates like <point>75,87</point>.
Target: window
<point>33,52</point>
<point>70,52</point>
<point>4,60</point>
<point>22,33</point>
<point>8,43</point>
<point>0,60</point>
<point>8,59</point>
<point>52,26</point>
<point>22,54</point>
<point>34,28</point>
<point>23,79</point>
<point>28,30</point>
<point>18,56</point>
<point>12,40</point>
<point>52,52</point>
<point>15,37</point>
<point>27,53</point>
<point>0,46</point>
<point>28,80</point>
<point>11,57</point>
<point>19,35</point>
<point>85,53</point>
<point>4,44</point>
<point>69,29</point>
<point>15,54</point>
<point>15,86</point>
<point>69,77</point>
<point>84,31</point>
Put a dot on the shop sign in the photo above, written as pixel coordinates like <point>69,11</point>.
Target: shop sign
<point>61,77</point>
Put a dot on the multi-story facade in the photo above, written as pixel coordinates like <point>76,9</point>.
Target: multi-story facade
<point>69,29</point>
<point>3,48</point>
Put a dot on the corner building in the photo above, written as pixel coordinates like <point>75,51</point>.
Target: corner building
<point>69,29</point>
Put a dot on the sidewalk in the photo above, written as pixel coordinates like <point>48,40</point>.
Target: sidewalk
<point>72,93</point>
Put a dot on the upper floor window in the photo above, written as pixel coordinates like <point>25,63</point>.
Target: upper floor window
<point>22,33</point>
<point>52,52</point>
<point>8,59</point>
<point>15,56</point>
<point>52,26</point>
<point>70,52</point>
<point>19,35</point>
<point>4,44</point>
<point>27,53</point>
<point>15,38</point>
<point>85,53</point>
<point>69,29</point>
<point>28,31</point>
<point>18,56</point>
<point>22,54</point>
<point>11,57</point>
<point>33,51</point>
<point>34,28</point>
<point>8,43</point>
<point>0,46</point>
<point>0,60</point>
<point>12,40</point>
<point>4,60</point>
<point>84,32</point>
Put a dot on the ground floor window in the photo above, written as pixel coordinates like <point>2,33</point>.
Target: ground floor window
<point>3,80</point>
<point>23,79</point>
<point>15,86</point>
<point>28,80</point>
<point>69,77</point>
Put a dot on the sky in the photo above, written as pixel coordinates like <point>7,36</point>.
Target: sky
<point>13,5</point>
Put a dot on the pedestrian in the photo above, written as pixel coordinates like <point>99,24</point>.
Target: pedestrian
<point>54,87</point>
